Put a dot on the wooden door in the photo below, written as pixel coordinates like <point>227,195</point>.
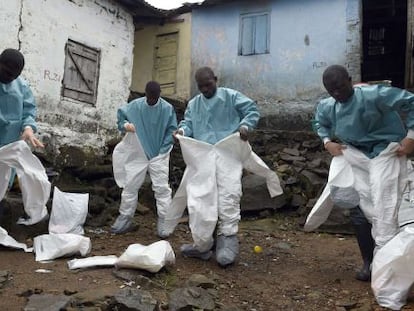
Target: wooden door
<point>165,62</point>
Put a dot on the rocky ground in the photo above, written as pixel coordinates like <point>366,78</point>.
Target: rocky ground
<point>295,271</point>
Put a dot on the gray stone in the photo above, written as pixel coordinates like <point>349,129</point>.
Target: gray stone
<point>136,277</point>
<point>312,144</point>
<point>47,302</point>
<point>133,299</point>
<point>4,277</point>
<point>290,158</point>
<point>256,196</point>
<point>291,151</point>
<point>183,299</point>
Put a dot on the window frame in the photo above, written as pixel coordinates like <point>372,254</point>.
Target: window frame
<point>254,16</point>
<point>90,95</point>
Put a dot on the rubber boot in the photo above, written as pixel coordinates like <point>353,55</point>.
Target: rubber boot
<point>366,246</point>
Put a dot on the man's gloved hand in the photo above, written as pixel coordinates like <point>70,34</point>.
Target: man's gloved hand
<point>244,133</point>
<point>333,148</point>
<point>129,127</point>
<point>177,132</point>
<point>28,135</point>
<point>406,147</point>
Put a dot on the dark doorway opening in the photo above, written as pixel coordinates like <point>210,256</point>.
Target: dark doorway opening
<point>384,37</point>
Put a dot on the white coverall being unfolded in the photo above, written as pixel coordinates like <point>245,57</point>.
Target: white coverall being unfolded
<point>130,165</point>
<point>211,187</point>
<point>33,180</point>
<point>379,182</point>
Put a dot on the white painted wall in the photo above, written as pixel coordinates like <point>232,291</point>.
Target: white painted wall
<point>45,26</point>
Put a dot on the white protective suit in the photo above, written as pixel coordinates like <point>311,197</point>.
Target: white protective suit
<point>33,180</point>
<point>130,165</point>
<point>379,181</point>
<point>211,186</point>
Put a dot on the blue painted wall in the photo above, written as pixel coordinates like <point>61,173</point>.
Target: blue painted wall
<point>306,36</point>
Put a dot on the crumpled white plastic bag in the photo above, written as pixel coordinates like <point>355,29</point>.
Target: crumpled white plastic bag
<point>94,261</point>
<point>52,246</point>
<point>151,258</point>
<point>69,211</point>
<point>8,241</point>
<point>393,270</point>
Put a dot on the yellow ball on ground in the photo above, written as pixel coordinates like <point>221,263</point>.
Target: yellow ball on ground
<point>258,249</point>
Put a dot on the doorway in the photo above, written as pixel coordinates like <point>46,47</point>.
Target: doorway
<point>384,41</point>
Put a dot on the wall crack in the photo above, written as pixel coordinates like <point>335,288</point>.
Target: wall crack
<point>20,25</point>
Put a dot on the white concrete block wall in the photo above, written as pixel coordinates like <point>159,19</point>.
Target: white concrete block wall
<point>46,25</point>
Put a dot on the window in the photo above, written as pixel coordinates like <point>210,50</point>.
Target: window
<point>80,78</point>
<point>254,33</point>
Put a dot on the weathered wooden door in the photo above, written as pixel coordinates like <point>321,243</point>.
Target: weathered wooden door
<point>165,62</point>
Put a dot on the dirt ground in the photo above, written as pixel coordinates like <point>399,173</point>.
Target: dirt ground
<point>295,270</point>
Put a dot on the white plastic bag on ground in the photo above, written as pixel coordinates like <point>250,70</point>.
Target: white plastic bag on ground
<point>393,270</point>
<point>69,211</point>
<point>94,261</point>
<point>33,180</point>
<point>8,241</point>
<point>151,258</point>
<point>51,246</point>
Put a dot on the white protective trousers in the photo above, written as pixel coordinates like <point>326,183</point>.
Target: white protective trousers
<point>130,165</point>
<point>211,187</point>
<point>380,183</point>
<point>33,180</point>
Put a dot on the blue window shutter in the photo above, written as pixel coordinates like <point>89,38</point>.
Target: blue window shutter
<point>261,34</point>
<point>247,35</point>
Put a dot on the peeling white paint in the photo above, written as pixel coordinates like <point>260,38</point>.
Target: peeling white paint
<point>43,28</point>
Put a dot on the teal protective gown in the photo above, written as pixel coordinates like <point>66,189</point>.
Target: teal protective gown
<point>154,125</point>
<point>369,120</point>
<point>17,110</point>
<point>212,119</point>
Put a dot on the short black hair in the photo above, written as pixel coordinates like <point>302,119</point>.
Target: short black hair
<point>12,56</point>
<point>153,88</point>
<point>335,72</point>
<point>204,71</point>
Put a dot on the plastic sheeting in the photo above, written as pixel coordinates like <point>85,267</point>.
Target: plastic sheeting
<point>33,180</point>
<point>52,246</point>
<point>69,211</point>
<point>151,258</point>
<point>94,261</point>
<point>207,166</point>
